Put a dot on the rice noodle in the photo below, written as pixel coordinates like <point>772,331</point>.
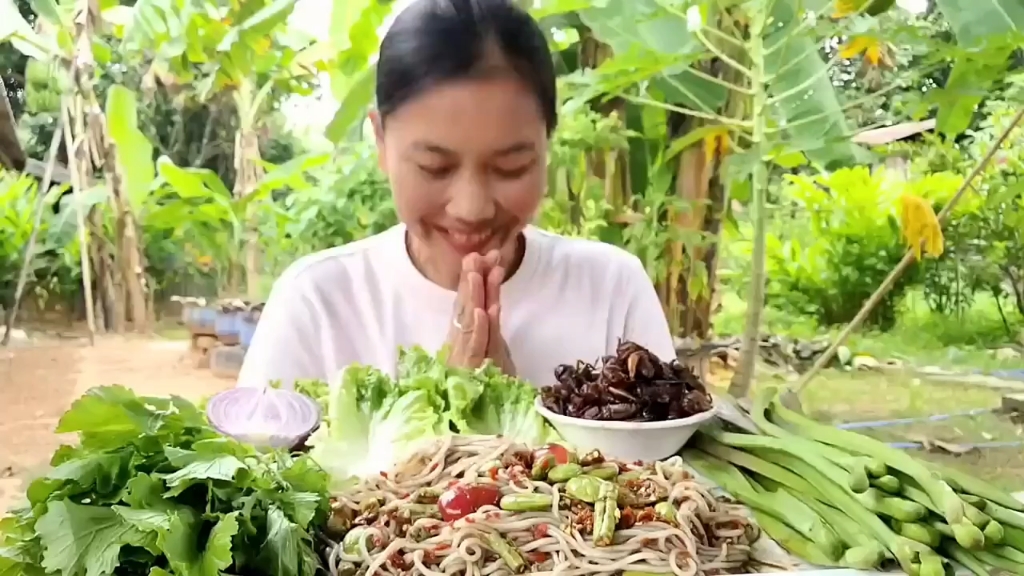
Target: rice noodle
<point>708,536</point>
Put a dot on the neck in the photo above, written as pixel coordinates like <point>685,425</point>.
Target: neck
<point>447,277</point>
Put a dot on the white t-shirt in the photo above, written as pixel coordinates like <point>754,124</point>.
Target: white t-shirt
<point>570,300</point>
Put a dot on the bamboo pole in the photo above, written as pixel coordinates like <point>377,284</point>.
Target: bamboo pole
<point>30,245</point>
<point>908,259</point>
<point>83,235</point>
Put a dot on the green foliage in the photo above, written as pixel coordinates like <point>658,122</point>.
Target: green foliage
<point>151,488</point>
<point>54,269</point>
<point>844,240</point>
<point>180,79</point>
<point>985,236</point>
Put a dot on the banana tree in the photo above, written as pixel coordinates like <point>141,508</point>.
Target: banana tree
<point>752,72</point>
<point>242,49</point>
<point>195,203</point>
<point>68,42</point>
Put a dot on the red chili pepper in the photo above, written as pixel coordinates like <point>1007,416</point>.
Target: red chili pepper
<point>537,557</point>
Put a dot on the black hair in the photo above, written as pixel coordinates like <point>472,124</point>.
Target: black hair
<point>434,41</point>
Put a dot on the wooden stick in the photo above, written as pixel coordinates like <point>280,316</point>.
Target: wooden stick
<point>83,235</point>
<point>908,259</point>
<point>30,245</point>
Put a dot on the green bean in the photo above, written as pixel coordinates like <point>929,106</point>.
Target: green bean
<point>526,502</point>
<point>506,551</point>
<point>666,511</point>
<point>350,544</point>
<point>564,472</point>
<point>888,483</point>
<point>627,476</point>
<point>606,514</point>
<point>603,471</point>
<point>994,532</point>
<point>542,465</point>
<point>585,488</point>
<point>416,511</point>
<point>426,496</point>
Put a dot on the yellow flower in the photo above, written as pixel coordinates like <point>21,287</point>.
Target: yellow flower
<point>204,261</point>
<point>716,141</point>
<point>872,49</point>
<point>920,225</point>
<point>845,7</point>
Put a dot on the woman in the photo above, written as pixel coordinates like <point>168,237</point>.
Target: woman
<point>466,105</point>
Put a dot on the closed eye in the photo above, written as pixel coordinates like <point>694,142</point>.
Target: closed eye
<point>513,173</point>
<point>436,171</point>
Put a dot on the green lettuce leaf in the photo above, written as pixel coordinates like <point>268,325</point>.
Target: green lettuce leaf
<point>373,423</point>
<point>505,407</point>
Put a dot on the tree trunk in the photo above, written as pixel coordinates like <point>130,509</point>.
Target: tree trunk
<point>700,183</point>
<point>125,272</point>
<point>109,307</point>
<point>609,166</point>
<point>247,175</point>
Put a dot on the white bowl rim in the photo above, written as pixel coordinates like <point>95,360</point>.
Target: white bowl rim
<point>620,425</point>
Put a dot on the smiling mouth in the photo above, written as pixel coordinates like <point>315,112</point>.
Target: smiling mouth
<point>467,242</point>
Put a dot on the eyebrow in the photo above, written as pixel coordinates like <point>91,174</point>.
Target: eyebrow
<point>516,148</point>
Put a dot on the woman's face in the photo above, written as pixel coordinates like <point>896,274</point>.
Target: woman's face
<point>467,165</point>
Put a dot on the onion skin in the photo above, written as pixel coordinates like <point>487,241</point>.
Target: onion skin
<point>264,417</point>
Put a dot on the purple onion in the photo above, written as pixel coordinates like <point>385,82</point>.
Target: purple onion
<point>264,417</point>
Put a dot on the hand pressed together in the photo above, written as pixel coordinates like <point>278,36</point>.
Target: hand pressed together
<point>475,333</point>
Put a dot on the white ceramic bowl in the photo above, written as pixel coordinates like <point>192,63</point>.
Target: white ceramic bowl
<point>629,441</point>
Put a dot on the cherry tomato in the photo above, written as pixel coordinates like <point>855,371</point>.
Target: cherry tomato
<point>464,499</point>
<point>562,454</point>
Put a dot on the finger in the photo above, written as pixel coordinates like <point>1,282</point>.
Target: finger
<point>462,292</point>
<point>478,291</point>
<point>473,262</point>
<point>476,348</point>
<point>495,343</point>
<point>492,259</point>
<point>471,299</point>
<point>493,289</point>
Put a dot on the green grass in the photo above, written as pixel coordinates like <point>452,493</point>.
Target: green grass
<point>848,397</point>
<point>921,337</point>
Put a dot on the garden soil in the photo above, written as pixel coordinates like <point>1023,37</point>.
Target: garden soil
<point>40,379</point>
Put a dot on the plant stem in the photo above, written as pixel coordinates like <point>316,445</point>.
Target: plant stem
<point>722,56</point>
<point>744,376</point>
<point>687,112</point>
<point>905,263</point>
<point>77,173</point>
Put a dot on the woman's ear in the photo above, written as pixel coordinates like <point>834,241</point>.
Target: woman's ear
<point>378,134</point>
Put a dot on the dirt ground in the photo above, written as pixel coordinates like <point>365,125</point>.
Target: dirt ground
<point>39,380</point>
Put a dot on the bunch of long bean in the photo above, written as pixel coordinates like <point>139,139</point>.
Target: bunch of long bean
<point>836,498</point>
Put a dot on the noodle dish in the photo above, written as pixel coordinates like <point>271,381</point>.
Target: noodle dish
<point>485,505</point>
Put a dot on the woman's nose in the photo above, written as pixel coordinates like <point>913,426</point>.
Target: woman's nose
<point>470,199</point>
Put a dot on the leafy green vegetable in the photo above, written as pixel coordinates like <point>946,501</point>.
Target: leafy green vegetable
<point>481,401</point>
<point>318,390</point>
<point>152,490</point>
<point>505,407</point>
<point>374,421</point>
